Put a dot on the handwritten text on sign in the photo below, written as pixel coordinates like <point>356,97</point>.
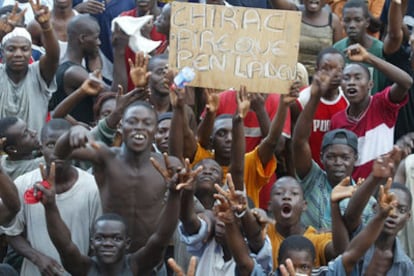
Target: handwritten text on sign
<point>229,46</point>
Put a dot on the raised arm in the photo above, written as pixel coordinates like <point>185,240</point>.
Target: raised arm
<point>90,87</point>
<point>73,261</point>
<point>49,62</point>
<point>188,215</point>
<point>212,105</point>
<point>302,155</point>
<point>383,167</point>
<point>9,197</point>
<point>119,44</point>
<point>257,104</point>
<point>238,142</point>
<point>234,237</point>
<point>251,227</point>
<point>402,81</point>
<point>394,36</point>
<point>146,258</point>
<point>181,141</point>
<point>268,146</point>
<point>12,20</point>
<point>362,242</point>
<point>340,236</point>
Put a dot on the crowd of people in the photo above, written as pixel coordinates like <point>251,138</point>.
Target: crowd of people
<point>109,168</point>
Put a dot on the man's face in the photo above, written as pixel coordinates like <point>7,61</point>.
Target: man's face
<point>355,23</point>
<point>301,260</point>
<point>161,136</point>
<point>109,241</point>
<point>138,128</point>
<point>156,79</point>
<point>287,201</point>
<point>107,107</point>
<point>222,138</point>
<point>162,22</point>
<point>401,214</point>
<point>24,140</point>
<point>338,161</point>
<point>355,83</point>
<point>330,63</point>
<point>16,53</point>
<point>313,5</point>
<point>48,147</point>
<point>144,6</point>
<point>62,4</point>
<point>211,174</point>
<point>90,39</point>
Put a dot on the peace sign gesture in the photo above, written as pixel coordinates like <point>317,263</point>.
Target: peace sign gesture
<point>41,12</point>
<point>179,271</point>
<point>236,199</point>
<point>48,194</point>
<point>387,201</point>
<point>12,20</point>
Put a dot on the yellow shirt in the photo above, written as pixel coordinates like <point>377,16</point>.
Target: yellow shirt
<point>255,175</point>
<point>319,240</point>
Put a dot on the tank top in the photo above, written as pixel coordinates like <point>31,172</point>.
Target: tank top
<point>95,271</point>
<point>312,40</point>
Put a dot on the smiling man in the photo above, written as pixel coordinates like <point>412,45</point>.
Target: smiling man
<point>26,89</point>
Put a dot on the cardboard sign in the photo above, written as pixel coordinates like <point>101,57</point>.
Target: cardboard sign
<point>230,46</point>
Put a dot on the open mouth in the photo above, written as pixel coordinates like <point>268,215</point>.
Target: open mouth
<point>351,91</point>
<point>286,210</point>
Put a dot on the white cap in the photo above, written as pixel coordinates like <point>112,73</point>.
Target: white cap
<point>17,31</point>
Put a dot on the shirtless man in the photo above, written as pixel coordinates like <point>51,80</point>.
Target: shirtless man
<point>137,191</point>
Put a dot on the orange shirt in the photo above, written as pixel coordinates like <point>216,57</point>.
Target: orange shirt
<point>319,240</point>
<point>255,174</point>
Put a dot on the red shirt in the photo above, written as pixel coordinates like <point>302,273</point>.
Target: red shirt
<point>322,119</point>
<point>129,54</point>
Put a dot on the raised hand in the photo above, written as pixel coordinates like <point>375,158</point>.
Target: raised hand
<point>243,102</point>
<point>257,101</point>
<point>48,194</point>
<point>93,85</point>
<point>177,178</point>
<point>119,39</point>
<point>293,93</point>
<point>321,81</point>
<point>13,19</point>
<point>236,199</point>
<point>138,70</point>
<point>91,6</point>
<point>124,100</point>
<point>179,271</point>
<point>356,52</point>
<point>342,190</point>
<point>387,201</point>
<point>177,95</point>
<point>41,12</point>
<point>223,210</point>
<point>288,269</point>
<point>213,100</point>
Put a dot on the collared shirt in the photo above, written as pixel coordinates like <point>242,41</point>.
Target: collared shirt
<point>317,191</point>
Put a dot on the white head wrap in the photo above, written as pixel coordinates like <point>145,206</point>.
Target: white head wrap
<point>17,31</point>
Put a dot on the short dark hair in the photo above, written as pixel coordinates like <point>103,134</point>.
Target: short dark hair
<point>363,66</point>
<point>100,100</point>
<point>357,4</point>
<point>326,51</point>
<point>5,124</point>
<point>295,243</point>
<point>152,60</point>
<point>285,178</point>
<point>55,125</point>
<point>404,189</point>
<point>144,104</point>
<point>111,217</point>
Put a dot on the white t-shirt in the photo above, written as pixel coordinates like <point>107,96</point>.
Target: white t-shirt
<point>79,207</point>
<point>28,99</point>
